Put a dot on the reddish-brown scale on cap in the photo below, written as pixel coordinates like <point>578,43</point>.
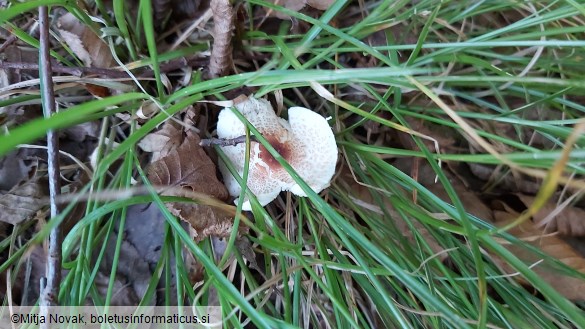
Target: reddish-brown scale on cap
<point>283,149</point>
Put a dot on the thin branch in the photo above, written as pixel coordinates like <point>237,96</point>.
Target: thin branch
<point>75,71</point>
<point>50,284</point>
<point>108,73</point>
<point>225,141</point>
<point>12,38</point>
<point>179,63</point>
<point>221,53</point>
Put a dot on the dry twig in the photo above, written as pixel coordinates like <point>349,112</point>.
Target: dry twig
<point>225,142</point>
<point>12,38</point>
<point>50,284</point>
<point>172,65</point>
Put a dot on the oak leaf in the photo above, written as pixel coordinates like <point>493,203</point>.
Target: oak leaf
<point>188,167</point>
<point>163,141</point>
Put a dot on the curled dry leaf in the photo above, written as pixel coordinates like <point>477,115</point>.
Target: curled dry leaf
<point>566,220</point>
<point>188,167</point>
<point>221,52</point>
<point>22,201</point>
<point>147,110</point>
<point>571,287</point>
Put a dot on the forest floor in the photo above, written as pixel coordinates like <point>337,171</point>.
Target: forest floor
<point>456,200</point>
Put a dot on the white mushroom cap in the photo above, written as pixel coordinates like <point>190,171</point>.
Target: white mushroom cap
<point>314,139</point>
<point>306,142</point>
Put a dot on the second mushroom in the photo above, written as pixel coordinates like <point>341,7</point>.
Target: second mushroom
<point>305,141</point>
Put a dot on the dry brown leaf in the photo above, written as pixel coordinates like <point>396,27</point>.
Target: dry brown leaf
<point>426,177</point>
<point>14,169</point>
<point>98,91</point>
<point>154,143</point>
<point>295,5</point>
<point>527,134</point>
<point>570,287</point>
<point>509,181</point>
<point>320,4</point>
<point>86,45</point>
<point>246,249</point>
<point>468,198</point>
<point>298,5</point>
<point>189,167</point>
<point>22,201</point>
<point>569,220</point>
<point>74,42</point>
<point>195,270</point>
<point>163,141</point>
<point>82,131</point>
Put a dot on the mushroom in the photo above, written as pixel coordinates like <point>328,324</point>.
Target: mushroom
<point>305,141</point>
